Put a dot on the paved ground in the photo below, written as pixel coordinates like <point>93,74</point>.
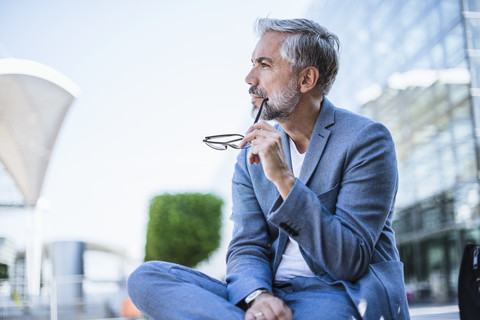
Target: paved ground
<point>430,312</point>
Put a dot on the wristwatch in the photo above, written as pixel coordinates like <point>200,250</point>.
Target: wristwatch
<point>252,296</point>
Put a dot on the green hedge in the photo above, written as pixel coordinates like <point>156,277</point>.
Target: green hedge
<point>183,228</point>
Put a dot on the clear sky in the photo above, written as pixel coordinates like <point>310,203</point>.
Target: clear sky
<point>156,77</point>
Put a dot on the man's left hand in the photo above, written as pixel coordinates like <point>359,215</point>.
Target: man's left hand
<point>268,307</point>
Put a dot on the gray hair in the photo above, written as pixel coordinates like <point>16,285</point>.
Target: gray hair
<point>309,44</point>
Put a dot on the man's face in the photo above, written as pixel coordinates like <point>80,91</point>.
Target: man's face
<point>271,76</point>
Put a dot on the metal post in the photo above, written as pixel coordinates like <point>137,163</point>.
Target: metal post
<point>53,300</point>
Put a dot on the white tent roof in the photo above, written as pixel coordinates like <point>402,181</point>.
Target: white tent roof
<point>34,100</point>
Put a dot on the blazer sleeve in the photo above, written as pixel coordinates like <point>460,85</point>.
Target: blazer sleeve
<point>338,230</point>
<point>248,255</point>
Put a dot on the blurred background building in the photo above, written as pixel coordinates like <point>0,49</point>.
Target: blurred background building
<point>415,67</point>
<point>63,279</point>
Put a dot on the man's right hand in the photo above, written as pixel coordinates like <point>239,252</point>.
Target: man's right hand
<point>268,307</point>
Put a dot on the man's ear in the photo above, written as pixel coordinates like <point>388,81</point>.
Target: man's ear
<point>308,79</point>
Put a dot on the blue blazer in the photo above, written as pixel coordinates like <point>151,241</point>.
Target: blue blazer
<point>339,211</point>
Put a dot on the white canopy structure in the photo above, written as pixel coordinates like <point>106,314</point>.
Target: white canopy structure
<point>34,100</point>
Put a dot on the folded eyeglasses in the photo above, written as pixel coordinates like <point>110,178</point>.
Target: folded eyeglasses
<point>223,141</point>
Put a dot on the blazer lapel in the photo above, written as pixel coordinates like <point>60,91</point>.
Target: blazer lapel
<point>318,141</point>
<point>286,146</point>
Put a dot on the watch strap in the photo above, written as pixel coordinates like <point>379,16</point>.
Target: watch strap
<point>252,296</point>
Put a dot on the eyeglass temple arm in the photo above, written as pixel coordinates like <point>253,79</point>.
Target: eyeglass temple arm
<point>260,111</point>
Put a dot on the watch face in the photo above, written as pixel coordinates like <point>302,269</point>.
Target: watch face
<point>252,295</point>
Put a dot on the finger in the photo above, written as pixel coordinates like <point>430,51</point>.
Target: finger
<point>249,137</point>
<point>262,125</point>
<point>249,316</point>
<point>282,311</point>
<point>275,309</point>
<point>242,143</point>
<point>254,152</point>
<point>253,158</point>
<point>254,134</point>
<point>261,314</point>
<point>268,314</point>
<point>255,126</point>
<point>254,314</point>
<point>284,314</point>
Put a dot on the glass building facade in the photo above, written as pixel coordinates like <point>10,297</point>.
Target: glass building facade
<point>415,67</point>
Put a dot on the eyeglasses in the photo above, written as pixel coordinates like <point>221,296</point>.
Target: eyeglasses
<point>223,141</point>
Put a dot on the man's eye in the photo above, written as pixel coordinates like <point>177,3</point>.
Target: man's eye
<point>265,65</point>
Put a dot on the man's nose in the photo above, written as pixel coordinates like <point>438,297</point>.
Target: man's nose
<point>252,78</point>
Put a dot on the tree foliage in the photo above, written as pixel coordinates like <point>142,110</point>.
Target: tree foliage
<point>183,228</point>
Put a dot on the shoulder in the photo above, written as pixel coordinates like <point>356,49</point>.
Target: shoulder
<point>344,118</point>
<point>352,135</point>
<point>348,123</point>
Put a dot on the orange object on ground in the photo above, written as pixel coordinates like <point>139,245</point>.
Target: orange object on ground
<point>129,310</point>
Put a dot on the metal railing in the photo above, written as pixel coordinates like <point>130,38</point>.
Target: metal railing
<point>67,298</point>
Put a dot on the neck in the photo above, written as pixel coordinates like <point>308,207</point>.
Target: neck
<point>300,126</point>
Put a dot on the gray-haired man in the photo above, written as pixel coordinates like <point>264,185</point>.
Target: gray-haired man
<point>313,200</point>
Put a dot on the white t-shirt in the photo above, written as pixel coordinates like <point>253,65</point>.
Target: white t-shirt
<point>292,264</point>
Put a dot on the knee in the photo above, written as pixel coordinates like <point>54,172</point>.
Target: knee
<point>140,280</point>
<point>134,282</point>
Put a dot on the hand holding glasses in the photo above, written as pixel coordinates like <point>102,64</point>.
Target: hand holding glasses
<point>223,141</point>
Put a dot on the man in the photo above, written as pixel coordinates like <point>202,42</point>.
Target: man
<point>313,201</point>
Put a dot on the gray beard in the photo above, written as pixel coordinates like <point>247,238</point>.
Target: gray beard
<point>281,104</point>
